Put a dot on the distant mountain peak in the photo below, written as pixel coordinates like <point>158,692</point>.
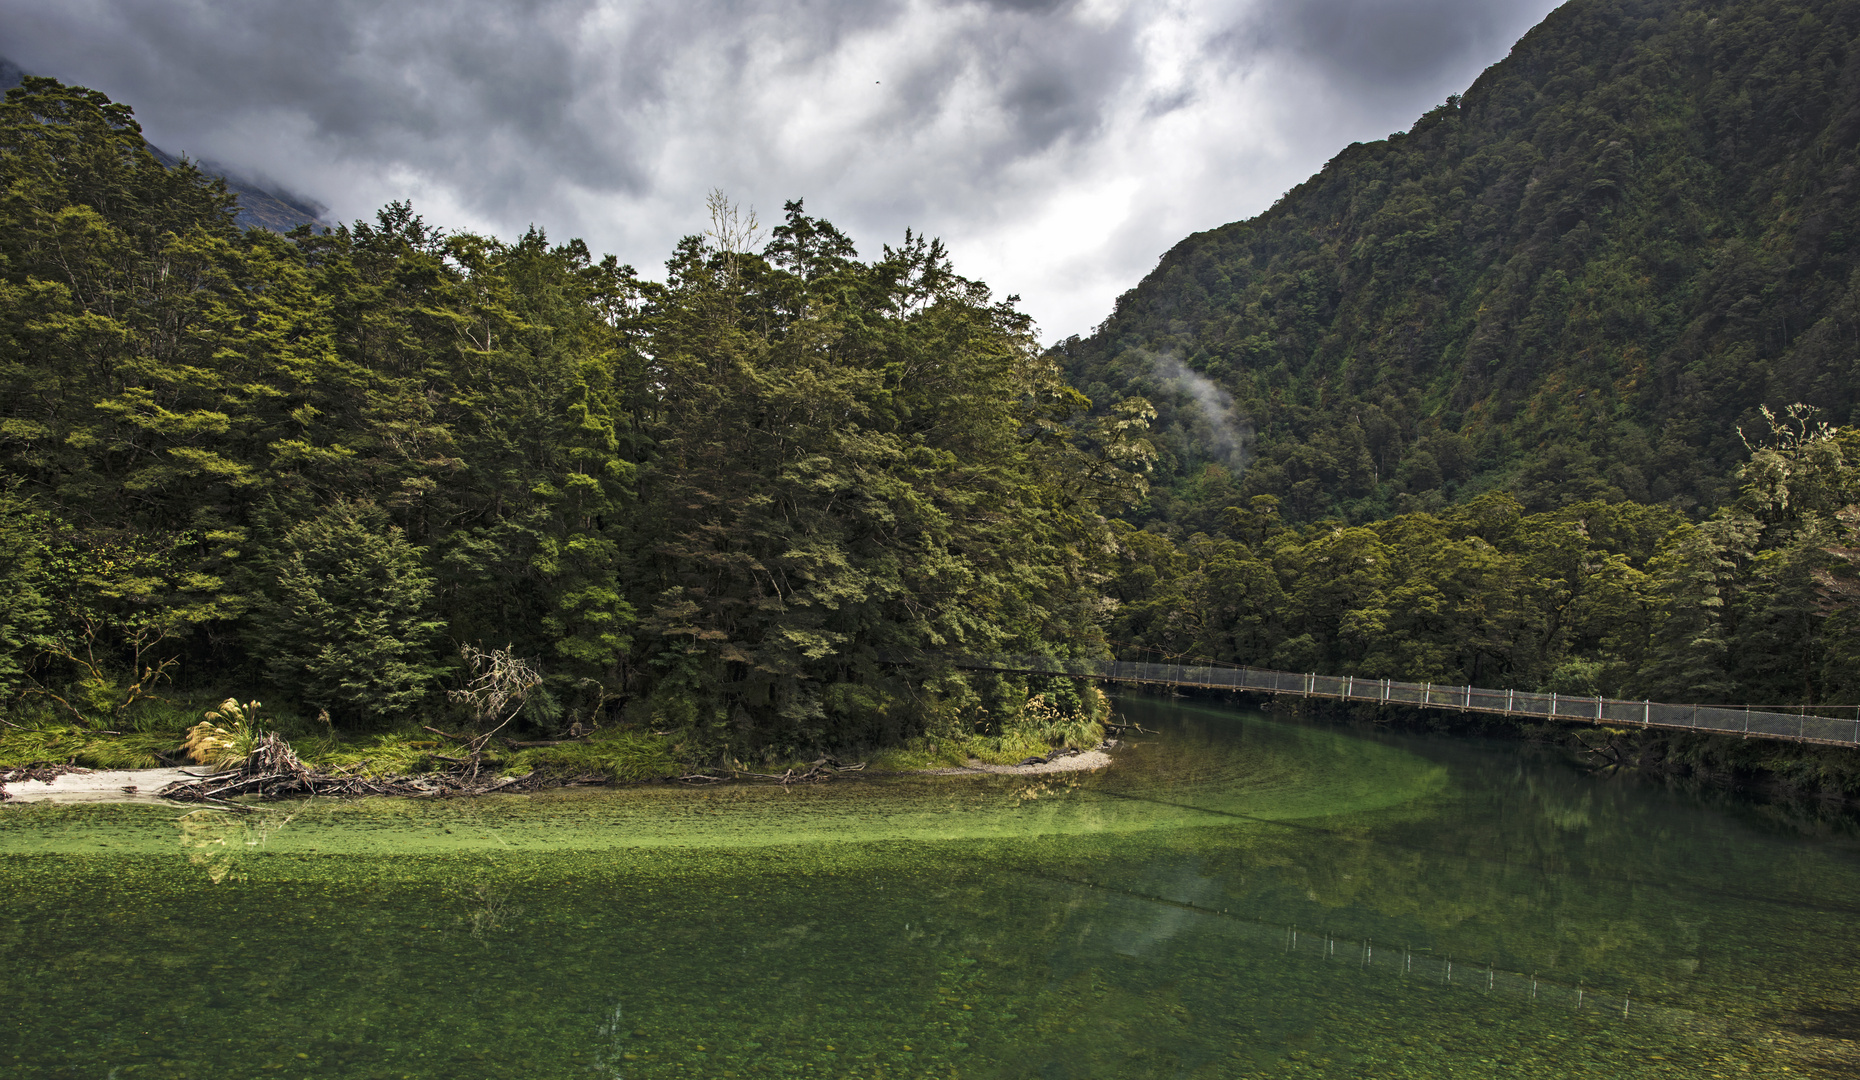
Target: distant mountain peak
<point>261,206</point>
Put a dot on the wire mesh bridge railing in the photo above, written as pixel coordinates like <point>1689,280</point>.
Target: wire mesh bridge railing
<point>1723,719</point>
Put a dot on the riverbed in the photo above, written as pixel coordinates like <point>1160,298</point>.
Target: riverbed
<point>1234,897</point>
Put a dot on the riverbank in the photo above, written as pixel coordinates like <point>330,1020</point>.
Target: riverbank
<point>144,785</point>
<point>92,785</point>
<point>1085,761</point>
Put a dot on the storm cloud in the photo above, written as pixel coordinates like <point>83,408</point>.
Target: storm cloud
<point>1059,147</point>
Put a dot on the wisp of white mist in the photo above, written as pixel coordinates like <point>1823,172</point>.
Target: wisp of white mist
<point>1224,435</point>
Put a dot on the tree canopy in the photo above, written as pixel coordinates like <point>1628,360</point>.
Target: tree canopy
<point>1539,395</point>
<point>755,500</point>
<point>1575,282</point>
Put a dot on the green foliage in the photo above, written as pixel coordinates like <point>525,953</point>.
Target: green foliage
<point>25,606</point>
<point>345,625</point>
<point>850,461</point>
<point>1064,716</point>
<point>1614,279</point>
<point>1576,282</point>
<point>754,505</point>
<point>1758,604</point>
<point>387,754</point>
<point>623,755</point>
<point>71,745</point>
<point>741,503</point>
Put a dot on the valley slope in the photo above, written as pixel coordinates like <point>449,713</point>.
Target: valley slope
<point>1574,282</point>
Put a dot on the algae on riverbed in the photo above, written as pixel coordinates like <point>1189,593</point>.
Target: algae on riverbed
<point>1128,923</point>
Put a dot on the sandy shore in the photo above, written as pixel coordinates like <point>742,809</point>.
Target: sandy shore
<point>113,785</point>
<point>140,785</point>
<point>1091,759</point>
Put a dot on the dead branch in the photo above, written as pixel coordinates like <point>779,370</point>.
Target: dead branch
<point>500,683</point>
<point>818,771</point>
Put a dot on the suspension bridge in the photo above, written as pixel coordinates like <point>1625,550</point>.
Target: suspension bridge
<point>1747,721</point>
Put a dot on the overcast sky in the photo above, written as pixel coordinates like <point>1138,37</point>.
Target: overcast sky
<point>1059,148</point>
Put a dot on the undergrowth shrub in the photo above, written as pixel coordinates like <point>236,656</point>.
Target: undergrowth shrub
<point>1041,727</point>
<point>388,754</point>
<point>65,744</point>
<point>623,755</point>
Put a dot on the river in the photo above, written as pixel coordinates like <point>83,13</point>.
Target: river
<point>1236,896</point>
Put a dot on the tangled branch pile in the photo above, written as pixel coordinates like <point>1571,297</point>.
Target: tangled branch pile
<point>273,771</point>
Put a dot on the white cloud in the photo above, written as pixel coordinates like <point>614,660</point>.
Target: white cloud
<point>1060,148</point>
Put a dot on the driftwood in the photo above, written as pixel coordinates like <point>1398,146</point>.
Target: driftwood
<point>43,773</point>
<point>273,771</point>
<point>818,771</point>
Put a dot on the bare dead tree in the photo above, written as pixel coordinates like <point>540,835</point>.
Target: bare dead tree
<point>499,685</point>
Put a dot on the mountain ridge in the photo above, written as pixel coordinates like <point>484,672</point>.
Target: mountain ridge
<point>1575,281</point>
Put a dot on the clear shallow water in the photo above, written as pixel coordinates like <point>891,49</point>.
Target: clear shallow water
<point>1235,897</point>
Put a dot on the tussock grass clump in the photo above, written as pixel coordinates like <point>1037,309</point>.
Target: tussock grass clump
<point>226,737</point>
<point>1061,728</point>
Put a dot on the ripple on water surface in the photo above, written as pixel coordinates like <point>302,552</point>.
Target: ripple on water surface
<point>1234,897</point>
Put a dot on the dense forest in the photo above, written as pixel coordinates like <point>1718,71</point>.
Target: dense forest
<point>1574,282</point>
<point>1753,605</point>
<point>1543,393</point>
<point>1547,393</point>
<point>745,502</point>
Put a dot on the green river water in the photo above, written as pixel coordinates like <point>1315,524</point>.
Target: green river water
<point>1234,897</point>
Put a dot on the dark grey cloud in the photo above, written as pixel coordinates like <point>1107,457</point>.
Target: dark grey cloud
<point>1060,145</point>
<point>1385,45</point>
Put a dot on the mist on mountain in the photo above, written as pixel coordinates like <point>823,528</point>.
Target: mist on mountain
<point>1580,280</point>
<point>263,206</point>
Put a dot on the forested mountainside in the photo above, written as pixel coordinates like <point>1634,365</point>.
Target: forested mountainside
<point>258,206</point>
<point>1575,282</point>
<point>1547,392</point>
<point>315,465</point>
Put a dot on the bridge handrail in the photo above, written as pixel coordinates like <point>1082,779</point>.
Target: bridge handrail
<point>1722,719</point>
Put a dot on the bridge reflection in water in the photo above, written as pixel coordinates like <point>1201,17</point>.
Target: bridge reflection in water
<point>1723,719</point>
<point>1417,967</point>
